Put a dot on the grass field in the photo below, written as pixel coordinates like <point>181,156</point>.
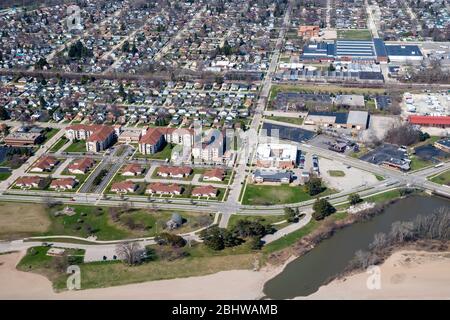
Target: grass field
<point>269,220</point>
<point>443,178</point>
<point>97,221</point>
<point>165,153</point>
<point>4,175</point>
<point>49,134</point>
<point>200,260</point>
<point>37,261</point>
<point>77,146</point>
<point>24,220</point>
<point>417,163</point>
<point>297,121</point>
<point>21,220</point>
<point>282,194</point>
<point>385,196</point>
<point>354,34</point>
<point>291,238</point>
<point>336,173</point>
<point>58,145</point>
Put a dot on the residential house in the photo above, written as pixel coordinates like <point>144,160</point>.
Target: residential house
<point>205,191</point>
<point>63,184</point>
<point>165,189</point>
<point>44,164</point>
<point>81,166</point>
<point>30,182</point>
<point>214,175</point>
<point>132,170</point>
<point>174,172</point>
<point>124,187</point>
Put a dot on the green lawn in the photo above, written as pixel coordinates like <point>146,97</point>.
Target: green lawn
<point>354,34</point>
<point>58,145</point>
<point>417,163</point>
<point>443,178</point>
<point>97,221</point>
<point>385,196</point>
<point>77,146</point>
<point>281,194</point>
<point>379,178</point>
<point>49,134</point>
<point>107,274</point>
<point>336,173</point>
<point>199,261</point>
<point>4,175</point>
<point>265,219</point>
<point>297,121</point>
<point>165,153</point>
<point>37,261</point>
<point>291,238</point>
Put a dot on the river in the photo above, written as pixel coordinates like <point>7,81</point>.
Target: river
<point>304,275</point>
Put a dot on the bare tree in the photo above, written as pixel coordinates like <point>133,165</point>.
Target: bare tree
<point>402,231</point>
<point>129,252</point>
<point>379,242</point>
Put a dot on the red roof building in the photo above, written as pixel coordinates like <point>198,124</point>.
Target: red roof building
<point>162,188</point>
<point>132,169</point>
<point>174,172</point>
<point>214,175</point>
<point>205,191</point>
<point>430,121</point>
<point>124,187</point>
<point>81,166</point>
<point>46,163</point>
<point>29,182</point>
<point>63,184</point>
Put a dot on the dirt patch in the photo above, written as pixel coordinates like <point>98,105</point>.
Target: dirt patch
<point>18,220</point>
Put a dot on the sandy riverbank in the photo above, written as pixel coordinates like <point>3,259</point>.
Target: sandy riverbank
<point>404,275</point>
<point>226,285</point>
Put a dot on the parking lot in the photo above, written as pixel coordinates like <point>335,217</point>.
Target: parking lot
<point>353,178</point>
<point>435,104</point>
<point>287,133</point>
<point>384,153</point>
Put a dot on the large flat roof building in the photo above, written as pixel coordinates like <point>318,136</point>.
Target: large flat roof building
<point>352,120</point>
<point>361,51</point>
<point>275,155</point>
<point>403,53</point>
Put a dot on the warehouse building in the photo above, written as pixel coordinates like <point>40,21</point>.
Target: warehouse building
<point>365,51</point>
<point>404,53</point>
<point>358,120</point>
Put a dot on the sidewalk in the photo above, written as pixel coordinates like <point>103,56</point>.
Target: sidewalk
<point>289,229</point>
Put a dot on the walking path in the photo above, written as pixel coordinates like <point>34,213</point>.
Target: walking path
<point>289,229</point>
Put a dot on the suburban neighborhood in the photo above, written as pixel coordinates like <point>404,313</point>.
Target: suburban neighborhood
<point>182,139</point>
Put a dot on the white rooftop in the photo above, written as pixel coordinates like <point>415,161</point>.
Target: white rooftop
<point>276,151</point>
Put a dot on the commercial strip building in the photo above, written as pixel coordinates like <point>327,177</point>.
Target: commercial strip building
<point>443,144</point>
<point>358,120</point>
<point>260,176</point>
<point>430,121</point>
<point>22,139</point>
